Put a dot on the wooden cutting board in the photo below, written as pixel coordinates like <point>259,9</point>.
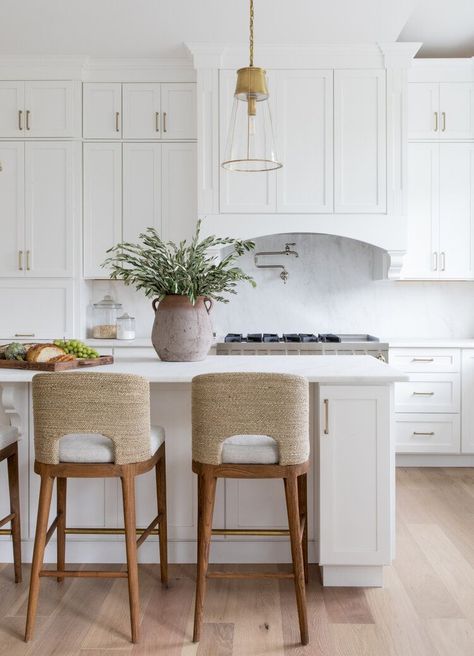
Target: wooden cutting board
<point>57,366</point>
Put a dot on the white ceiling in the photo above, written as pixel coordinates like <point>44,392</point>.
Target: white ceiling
<point>151,28</point>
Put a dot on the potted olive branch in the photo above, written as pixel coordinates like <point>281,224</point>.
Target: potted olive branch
<point>183,280</point>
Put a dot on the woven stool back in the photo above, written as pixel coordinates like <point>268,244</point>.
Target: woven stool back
<point>114,405</point>
<point>250,404</point>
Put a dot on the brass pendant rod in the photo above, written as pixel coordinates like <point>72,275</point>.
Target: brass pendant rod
<point>251,32</point>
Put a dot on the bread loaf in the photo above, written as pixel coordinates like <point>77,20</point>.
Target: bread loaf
<point>43,353</point>
<point>66,357</point>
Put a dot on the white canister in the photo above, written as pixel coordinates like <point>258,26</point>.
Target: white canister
<point>125,327</point>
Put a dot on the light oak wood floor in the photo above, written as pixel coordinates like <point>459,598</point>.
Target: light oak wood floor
<point>425,609</point>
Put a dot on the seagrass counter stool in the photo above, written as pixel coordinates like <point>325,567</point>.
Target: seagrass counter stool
<point>9,452</point>
<point>95,425</point>
<point>251,425</point>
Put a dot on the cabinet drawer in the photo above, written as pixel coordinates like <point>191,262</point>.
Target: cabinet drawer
<point>427,433</point>
<point>428,393</point>
<point>426,360</point>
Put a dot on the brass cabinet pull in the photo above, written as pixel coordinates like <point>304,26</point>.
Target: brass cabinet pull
<point>436,121</point>
<point>28,119</point>
<point>164,122</point>
<point>435,261</point>
<point>24,334</point>
<point>422,360</point>
<point>443,117</point>
<point>27,260</point>
<point>20,119</point>
<point>326,416</point>
<point>20,260</point>
<point>117,118</point>
<point>421,433</point>
<point>157,121</point>
<point>443,261</point>
<point>423,393</point>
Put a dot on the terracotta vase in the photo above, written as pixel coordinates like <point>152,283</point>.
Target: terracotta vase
<point>182,332</point>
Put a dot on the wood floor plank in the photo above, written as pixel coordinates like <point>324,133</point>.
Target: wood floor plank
<point>452,637</point>
<point>357,640</point>
<point>347,606</point>
<point>217,639</point>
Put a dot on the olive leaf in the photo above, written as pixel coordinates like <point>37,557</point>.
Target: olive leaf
<point>161,268</point>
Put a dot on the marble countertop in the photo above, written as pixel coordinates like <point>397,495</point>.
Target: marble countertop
<point>328,369</point>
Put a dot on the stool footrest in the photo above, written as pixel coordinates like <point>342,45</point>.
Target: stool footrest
<point>91,574</point>
<point>263,532</point>
<point>104,531</point>
<point>7,519</point>
<point>250,575</point>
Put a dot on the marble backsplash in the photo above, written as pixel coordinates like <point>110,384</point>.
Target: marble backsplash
<point>330,288</point>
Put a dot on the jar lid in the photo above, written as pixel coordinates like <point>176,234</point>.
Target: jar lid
<point>125,316</point>
<point>108,303</point>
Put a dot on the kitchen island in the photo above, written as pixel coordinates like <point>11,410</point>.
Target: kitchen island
<point>351,479</point>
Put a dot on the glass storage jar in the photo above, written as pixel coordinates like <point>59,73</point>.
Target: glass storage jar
<point>125,327</point>
<point>105,318</point>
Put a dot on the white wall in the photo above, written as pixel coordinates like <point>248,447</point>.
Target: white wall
<point>330,289</point>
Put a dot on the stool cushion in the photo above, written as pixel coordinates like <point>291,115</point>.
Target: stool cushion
<point>93,447</point>
<point>8,435</point>
<point>250,450</point>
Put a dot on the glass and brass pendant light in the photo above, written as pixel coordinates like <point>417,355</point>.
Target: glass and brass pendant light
<point>250,142</point>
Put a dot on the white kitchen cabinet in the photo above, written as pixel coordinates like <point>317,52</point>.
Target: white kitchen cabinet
<point>142,111</point>
<point>440,111</point>
<point>304,129</point>
<point>440,211</point>
<point>39,109</point>
<point>25,302</point>
<point>178,109</point>
<point>427,392</point>
<point>102,204</point>
<point>179,191</point>
<point>360,141</point>
<point>427,433</point>
<point>141,189</point>
<point>355,503</point>
<point>467,414</point>
<point>102,110</point>
<point>38,208</point>
<point>242,192</point>
<point>12,207</point>
<point>51,174</point>
<point>12,104</point>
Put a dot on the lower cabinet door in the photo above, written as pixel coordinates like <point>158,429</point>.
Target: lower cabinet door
<point>428,393</point>
<point>356,485</point>
<point>427,433</point>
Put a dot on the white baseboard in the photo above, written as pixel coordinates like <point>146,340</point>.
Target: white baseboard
<point>433,460</point>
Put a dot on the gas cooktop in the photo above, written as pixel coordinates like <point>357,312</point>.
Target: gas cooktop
<point>265,338</point>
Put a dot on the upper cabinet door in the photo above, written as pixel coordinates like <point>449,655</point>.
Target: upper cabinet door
<point>50,171</point>
<point>422,258</point>
<point>12,210</point>
<point>304,128</point>
<point>51,109</point>
<point>424,120</point>
<point>12,109</point>
<point>360,141</point>
<point>456,110</point>
<point>179,190</point>
<point>242,192</point>
<point>102,110</point>
<point>102,204</point>
<point>141,189</point>
<point>456,210</point>
<point>178,107</point>
<point>141,111</point>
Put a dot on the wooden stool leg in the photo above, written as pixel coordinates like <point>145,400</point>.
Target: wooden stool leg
<point>14,489</point>
<point>160,470</point>
<point>291,492</point>
<point>303,505</point>
<point>128,493</point>
<point>61,491</point>
<point>206,496</point>
<point>44,504</point>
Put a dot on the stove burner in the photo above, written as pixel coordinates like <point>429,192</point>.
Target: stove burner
<point>254,337</point>
<point>271,337</point>
<point>329,337</point>
<point>233,337</point>
<point>296,338</point>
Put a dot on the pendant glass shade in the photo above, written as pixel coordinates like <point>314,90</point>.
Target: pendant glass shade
<point>250,142</point>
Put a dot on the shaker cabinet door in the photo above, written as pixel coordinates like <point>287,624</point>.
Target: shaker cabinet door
<point>141,111</point>
<point>12,109</point>
<point>52,109</point>
<point>179,191</point>
<point>102,204</point>
<point>178,108</point>
<point>456,110</point>
<point>141,189</point>
<point>12,208</point>
<point>360,142</point>
<point>102,110</point>
<point>423,110</point>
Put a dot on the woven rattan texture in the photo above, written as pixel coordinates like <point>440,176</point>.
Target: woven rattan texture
<point>250,404</point>
<point>114,405</point>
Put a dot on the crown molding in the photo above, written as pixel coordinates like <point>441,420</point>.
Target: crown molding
<point>399,54</point>
<point>40,67</point>
<point>442,70</point>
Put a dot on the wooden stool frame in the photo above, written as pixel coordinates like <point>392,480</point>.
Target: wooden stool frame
<point>295,483</point>
<point>10,453</point>
<point>127,474</point>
